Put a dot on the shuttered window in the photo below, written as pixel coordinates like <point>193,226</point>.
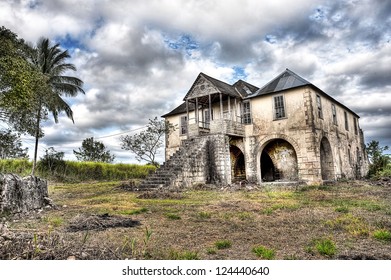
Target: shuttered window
<point>246,113</point>
<point>183,125</point>
<point>279,107</point>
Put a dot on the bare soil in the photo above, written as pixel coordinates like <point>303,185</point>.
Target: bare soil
<point>100,220</point>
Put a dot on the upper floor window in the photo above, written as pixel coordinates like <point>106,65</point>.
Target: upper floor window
<point>358,156</point>
<point>334,112</point>
<point>319,106</point>
<point>207,117</point>
<point>346,120</point>
<point>355,125</point>
<point>183,125</point>
<point>246,112</point>
<point>279,107</point>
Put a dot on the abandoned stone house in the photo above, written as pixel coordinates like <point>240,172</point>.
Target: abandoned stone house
<point>288,130</point>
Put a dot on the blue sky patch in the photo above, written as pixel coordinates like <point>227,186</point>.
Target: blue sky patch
<point>240,73</point>
<point>70,43</point>
<point>184,42</point>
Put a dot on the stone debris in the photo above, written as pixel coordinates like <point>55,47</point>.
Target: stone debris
<point>22,194</point>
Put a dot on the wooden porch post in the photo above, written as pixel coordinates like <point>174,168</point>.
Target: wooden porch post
<point>187,112</point>
<point>236,111</point>
<point>221,106</point>
<point>196,111</point>
<point>210,108</point>
<point>229,107</point>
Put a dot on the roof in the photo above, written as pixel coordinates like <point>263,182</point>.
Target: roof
<point>240,89</point>
<point>245,88</point>
<point>286,80</point>
<point>220,86</point>
<point>181,109</point>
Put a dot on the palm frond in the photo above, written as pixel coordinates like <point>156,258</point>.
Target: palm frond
<point>52,62</point>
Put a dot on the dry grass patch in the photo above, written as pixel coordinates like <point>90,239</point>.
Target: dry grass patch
<point>286,220</point>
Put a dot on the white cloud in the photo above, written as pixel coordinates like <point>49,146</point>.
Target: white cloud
<point>139,58</point>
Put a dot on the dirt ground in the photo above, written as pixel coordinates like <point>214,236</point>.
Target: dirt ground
<point>98,220</point>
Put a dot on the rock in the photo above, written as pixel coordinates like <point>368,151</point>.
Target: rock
<point>71,258</point>
<point>22,194</point>
<point>5,234</point>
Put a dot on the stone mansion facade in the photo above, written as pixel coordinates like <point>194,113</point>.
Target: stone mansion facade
<point>288,130</point>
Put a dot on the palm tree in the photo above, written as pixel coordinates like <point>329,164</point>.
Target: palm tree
<point>51,61</point>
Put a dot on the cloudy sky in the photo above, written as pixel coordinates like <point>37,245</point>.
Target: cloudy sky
<point>138,58</point>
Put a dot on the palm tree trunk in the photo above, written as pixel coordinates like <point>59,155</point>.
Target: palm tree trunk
<point>36,140</point>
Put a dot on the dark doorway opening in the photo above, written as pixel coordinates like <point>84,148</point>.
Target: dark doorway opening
<point>238,166</point>
<point>268,170</point>
<point>279,162</point>
<point>326,160</point>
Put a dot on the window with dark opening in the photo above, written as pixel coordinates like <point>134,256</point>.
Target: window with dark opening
<point>346,120</point>
<point>246,113</point>
<point>334,112</point>
<point>355,125</point>
<point>319,106</point>
<point>183,125</point>
<point>279,107</point>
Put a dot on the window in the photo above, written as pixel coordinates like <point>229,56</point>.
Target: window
<point>355,125</point>
<point>207,118</point>
<point>279,107</point>
<point>319,106</point>
<point>334,112</point>
<point>183,125</point>
<point>246,113</point>
<point>346,120</point>
<point>358,155</point>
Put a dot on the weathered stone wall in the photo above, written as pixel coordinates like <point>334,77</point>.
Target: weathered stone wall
<point>22,194</point>
<point>209,164</point>
<point>305,131</point>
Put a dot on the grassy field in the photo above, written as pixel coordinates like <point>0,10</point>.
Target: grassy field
<point>98,220</point>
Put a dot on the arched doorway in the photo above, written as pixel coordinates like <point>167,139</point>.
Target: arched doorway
<point>279,161</point>
<point>238,167</point>
<point>326,160</point>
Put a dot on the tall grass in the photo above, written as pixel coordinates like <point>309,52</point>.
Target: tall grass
<point>21,167</point>
<point>79,171</point>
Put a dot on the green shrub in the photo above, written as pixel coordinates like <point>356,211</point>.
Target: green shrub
<point>204,215</point>
<point>173,216</point>
<point>223,244</point>
<point>342,209</point>
<point>186,255</point>
<point>264,253</point>
<point>382,234</point>
<point>325,247</point>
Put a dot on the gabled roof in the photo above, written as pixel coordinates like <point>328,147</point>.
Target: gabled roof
<point>245,88</point>
<point>219,87</point>
<point>241,89</point>
<point>286,80</point>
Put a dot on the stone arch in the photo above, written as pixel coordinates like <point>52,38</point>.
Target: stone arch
<point>238,166</point>
<point>326,160</point>
<point>278,161</point>
<point>260,147</point>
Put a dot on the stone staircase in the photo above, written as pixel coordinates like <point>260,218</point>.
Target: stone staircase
<point>186,165</point>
